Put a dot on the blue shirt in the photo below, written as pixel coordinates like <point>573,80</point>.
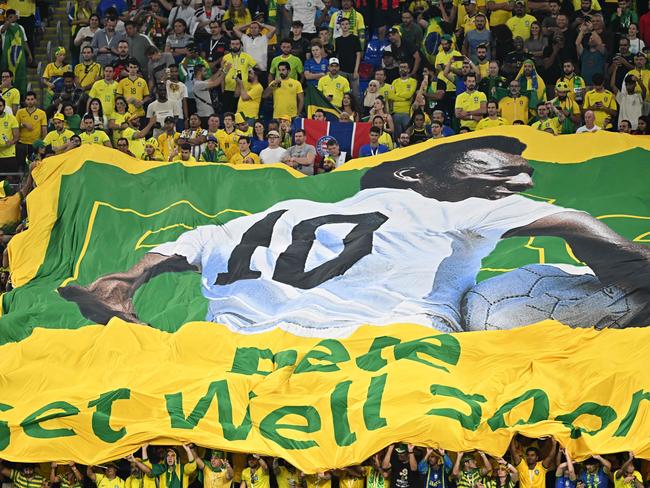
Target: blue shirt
<point>596,480</point>
<point>564,482</point>
<point>257,145</point>
<point>315,68</point>
<point>366,150</point>
<point>435,478</point>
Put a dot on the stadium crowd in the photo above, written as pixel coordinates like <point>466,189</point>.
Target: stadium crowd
<point>225,81</point>
<point>529,464</point>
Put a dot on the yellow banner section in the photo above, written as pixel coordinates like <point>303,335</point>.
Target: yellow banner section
<point>321,403</point>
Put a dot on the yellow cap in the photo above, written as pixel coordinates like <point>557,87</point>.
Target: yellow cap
<point>58,116</point>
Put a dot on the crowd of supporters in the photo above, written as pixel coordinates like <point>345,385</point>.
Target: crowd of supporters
<point>529,464</point>
<point>223,80</point>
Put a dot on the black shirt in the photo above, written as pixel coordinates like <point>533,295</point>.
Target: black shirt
<point>215,49</point>
<point>300,48</point>
<point>401,475</point>
<point>346,50</point>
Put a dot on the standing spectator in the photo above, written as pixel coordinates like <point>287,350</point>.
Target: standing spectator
<point>60,138</point>
<point>85,34</point>
<point>568,110</point>
<point>348,51</point>
<point>255,43</point>
<point>9,93</point>
<point>138,44</point>
<point>121,61</point>
<point>104,90</point>
<point>641,72</point>
<point>601,101</point>
<point>479,36</point>
<point>628,476</point>
<point>286,57</point>
<point>357,24</point>
<point>505,476</point>
<point>471,105</point>
<point>237,13</point>
<point>207,13</point>
<point>52,78</point>
<point>545,121</point>
<point>622,18</point>
<point>154,26</point>
<point>514,60</point>
<point>492,119</point>
<point>178,40</point>
<point>403,466</point>
<point>402,96</point>
<point>157,64</point>
<point>301,155</point>
<point>304,11</point>
<point>299,43</point>
<point>274,153</point>
<point>373,147</point>
<point>249,93</point>
<point>90,135</point>
<point>385,137</point>
<point>519,24</point>
<point>515,106</point>
<point>32,125</point>
<point>402,50</point>
<point>288,97</point>
<point>565,474</point>
<point>630,101</point>
<point>333,85</point>
<point>466,471</point>
<point>234,64</point>
<point>625,127</point>
<point>195,135</point>
<point>597,468</point>
<point>203,85</point>
<point>493,85</point>
<point>187,68</point>
<point>255,470</point>
<point>185,12</point>
<point>9,136</point>
<point>161,108</point>
<point>88,71</point>
<point>134,89</point>
<point>334,158</point>
<point>316,65</point>
<point>410,31</point>
<point>534,46</point>
<point>594,57</point>
<point>623,60</point>
<point>105,42</point>
<point>636,43</point>
<point>228,136</point>
<point>214,48</point>
<point>214,154</point>
<point>439,115</point>
<point>16,53</point>
<point>577,85</point>
<point>532,471</point>
<point>168,139</point>
<point>644,27</point>
<point>435,466</point>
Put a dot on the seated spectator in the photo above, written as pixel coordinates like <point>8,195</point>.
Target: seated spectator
<point>168,138</point>
<point>104,90</point>
<point>52,78</point>
<point>274,153</point>
<point>9,93</point>
<point>259,140</point>
<point>334,157</point>
<point>301,155</point>
<point>545,120</point>
<point>316,66</point>
<point>244,155</point>
<point>515,106</point>
<point>349,106</point>
<point>178,40</point>
<point>212,154</point>
<point>373,147</point>
<point>134,89</point>
<point>294,62</point>
<point>471,105</point>
<point>439,115</point>
<point>403,140</point>
<point>492,119</point>
<point>88,71</point>
<point>600,101</point>
<point>567,110</point>
<point>121,61</point>
<point>195,136</point>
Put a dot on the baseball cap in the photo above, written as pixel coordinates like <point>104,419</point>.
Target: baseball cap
<point>239,119</point>
<point>400,449</point>
<point>273,133</point>
<point>394,30</point>
<point>211,138</point>
<point>285,117</point>
<point>562,86</point>
<point>334,61</point>
<point>58,116</point>
<point>169,118</point>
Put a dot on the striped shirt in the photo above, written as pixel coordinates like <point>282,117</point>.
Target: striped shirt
<point>21,481</point>
<point>467,479</point>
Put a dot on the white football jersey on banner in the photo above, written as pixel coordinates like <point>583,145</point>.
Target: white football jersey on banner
<point>378,257</point>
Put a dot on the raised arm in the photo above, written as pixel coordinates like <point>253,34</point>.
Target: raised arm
<point>190,453</point>
<point>547,462</point>
<point>142,467</point>
<point>77,474</point>
<point>628,461</point>
<point>487,466</point>
<point>455,471</point>
<point>91,474</point>
<point>263,464</point>
<point>53,477</point>
<point>514,452</point>
<point>570,467</point>
<point>385,464</point>
<point>413,463</point>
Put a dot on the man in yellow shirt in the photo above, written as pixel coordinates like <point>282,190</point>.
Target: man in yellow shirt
<point>288,98</point>
<point>245,156</point>
<point>9,93</point>
<point>88,71</point>
<point>228,136</point>
<point>249,93</point>
<point>532,471</point>
<point>641,73</point>
<point>519,23</point>
<point>256,475</point>
<point>92,136</point>
<point>544,122</point>
<point>352,477</point>
<point>322,479</point>
<point>60,137</point>
<point>628,476</point>
<point>32,125</point>
<point>168,140</point>
<point>515,106</point>
<point>234,63</point>
<point>104,90</point>
<point>492,119</point>
<point>333,85</point>
<point>172,473</point>
<point>471,105</point>
<point>575,83</point>
<point>286,475</point>
<point>217,473</point>
<point>134,89</point>
<point>136,137</point>
<point>108,480</point>
<point>8,138</point>
<point>404,89</point>
<point>600,101</point>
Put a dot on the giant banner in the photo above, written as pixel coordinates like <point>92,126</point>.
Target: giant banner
<point>450,294</point>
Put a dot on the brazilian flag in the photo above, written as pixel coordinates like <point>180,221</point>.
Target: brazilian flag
<point>315,100</point>
<point>13,56</point>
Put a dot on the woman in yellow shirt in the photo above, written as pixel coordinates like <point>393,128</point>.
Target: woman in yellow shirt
<point>237,13</point>
<point>52,78</point>
<point>119,118</point>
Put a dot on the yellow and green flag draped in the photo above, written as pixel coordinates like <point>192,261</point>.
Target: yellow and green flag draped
<point>315,392</point>
<point>14,57</point>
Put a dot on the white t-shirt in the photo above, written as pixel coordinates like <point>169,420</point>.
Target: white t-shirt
<point>584,128</point>
<point>305,12</point>
<point>176,91</point>
<point>203,98</point>
<point>630,107</point>
<point>161,110</point>
<point>257,48</point>
<point>270,156</point>
<point>379,257</point>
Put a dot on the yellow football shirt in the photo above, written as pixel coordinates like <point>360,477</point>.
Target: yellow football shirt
<point>137,89</point>
<point>520,26</point>
<point>402,96</point>
<point>102,481</point>
<point>239,159</point>
<point>54,71</point>
<point>251,108</point>
<point>87,74</point>
<point>461,13</point>
<point>469,102</point>
<point>37,119</point>
<point>287,479</point>
<point>56,139</point>
<point>285,98</point>
<point>605,97</point>
<point>119,120</point>
<point>386,140</point>
<point>313,481</point>
<point>215,479</point>
<point>11,97</point>
<point>336,87</point>
<point>531,478</point>
<point>167,143</point>
<point>488,122</point>
<point>644,76</point>
<point>95,137</point>
<point>261,478</point>
<point>514,109</point>
<point>136,145</point>
<point>346,480</point>
<point>7,125</point>
<point>621,483</point>
<point>240,63</point>
<point>550,123</point>
<point>228,142</point>
<point>105,92</point>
